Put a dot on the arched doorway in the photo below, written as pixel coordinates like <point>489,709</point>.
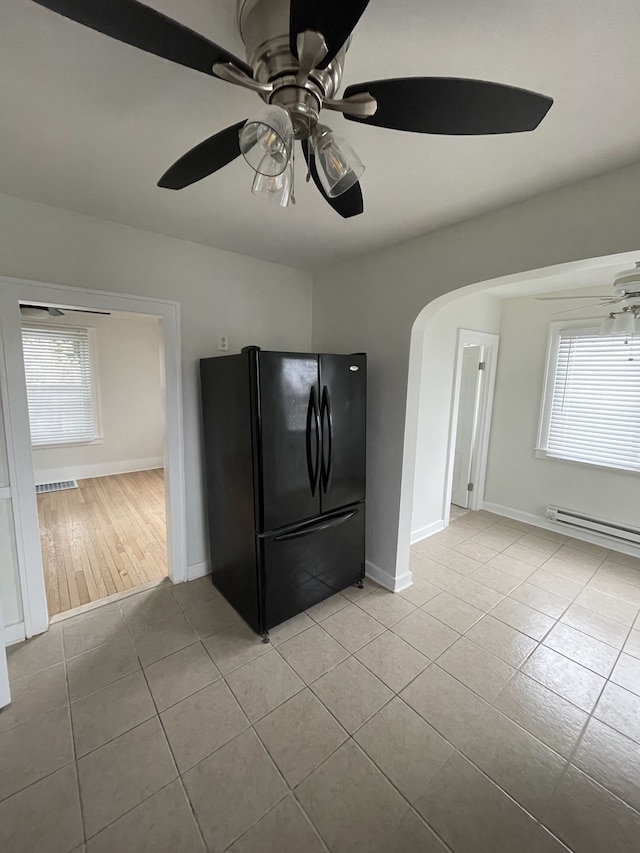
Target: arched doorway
<point>559,277</point>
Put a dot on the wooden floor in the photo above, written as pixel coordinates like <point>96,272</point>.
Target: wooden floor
<point>106,536</point>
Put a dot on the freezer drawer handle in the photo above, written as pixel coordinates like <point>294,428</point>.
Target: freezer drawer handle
<point>325,409</point>
<point>313,468</point>
<point>308,531</point>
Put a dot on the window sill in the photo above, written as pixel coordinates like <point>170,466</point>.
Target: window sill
<point>56,444</point>
<point>539,453</point>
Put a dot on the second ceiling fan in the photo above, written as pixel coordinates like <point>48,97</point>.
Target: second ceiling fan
<point>295,52</point>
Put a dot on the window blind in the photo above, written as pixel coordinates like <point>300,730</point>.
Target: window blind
<point>595,406</point>
<point>60,388</point>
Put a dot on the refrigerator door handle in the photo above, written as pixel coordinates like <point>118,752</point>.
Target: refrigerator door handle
<point>313,468</point>
<point>315,528</point>
<point>325,409</point>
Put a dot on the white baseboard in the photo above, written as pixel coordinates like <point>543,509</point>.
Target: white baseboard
<point>386,579</point>
<point>429,530</point>
<point>98,469</point>
<point>198,570</point>
<point>404,582</point>
<point>574,533</point>
<point>14,634</point>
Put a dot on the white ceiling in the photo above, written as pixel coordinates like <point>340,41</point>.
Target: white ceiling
<point>89,124</point>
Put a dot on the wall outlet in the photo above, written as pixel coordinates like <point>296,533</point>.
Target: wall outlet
<point>223,343</point>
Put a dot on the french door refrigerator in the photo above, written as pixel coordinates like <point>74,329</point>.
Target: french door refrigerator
<point>284,451</point>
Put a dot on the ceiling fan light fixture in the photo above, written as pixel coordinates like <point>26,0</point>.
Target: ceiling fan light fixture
<point>606,327</point>
<point>40,311</point>
<point>276,189</point>
<point>266,140</point>
<point>339,167</point>
<point>624,323</point>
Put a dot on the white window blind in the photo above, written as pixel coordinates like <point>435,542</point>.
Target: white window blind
<point>60,386</point>
<point>594,400</point>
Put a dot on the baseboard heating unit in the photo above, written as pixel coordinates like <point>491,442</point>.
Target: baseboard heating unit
<point>597,525</point>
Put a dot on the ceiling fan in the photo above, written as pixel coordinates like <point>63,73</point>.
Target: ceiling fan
<point>42,311</point>
<point>626,293</point>
<point>626,287</point>
<point>296,52</point>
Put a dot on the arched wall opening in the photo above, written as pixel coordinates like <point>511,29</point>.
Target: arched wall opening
<point>570,276</point>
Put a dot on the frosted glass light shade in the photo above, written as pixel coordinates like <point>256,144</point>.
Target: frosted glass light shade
<point>266,140</point>
<point>339,167</point>
<point>606,328</point>
<point>276,189</point>
<point>624,324</point>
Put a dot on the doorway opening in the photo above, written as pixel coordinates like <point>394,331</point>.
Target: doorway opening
<point>24,587</point>
<point>519,487</point>
<point>95,395</point>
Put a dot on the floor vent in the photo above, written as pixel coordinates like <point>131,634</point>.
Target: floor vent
<point>597,525</point>
<point>56,487</point>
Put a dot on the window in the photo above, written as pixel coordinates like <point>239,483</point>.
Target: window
<point>591,408</point>
<point>60,385</point>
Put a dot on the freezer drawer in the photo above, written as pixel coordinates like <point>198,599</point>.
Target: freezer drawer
<point>306,564</point>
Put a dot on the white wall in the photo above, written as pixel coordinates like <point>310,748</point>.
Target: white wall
<point>128,349</point>
<point>516,479</point>
<point>371,304</point>
<point>251,301</point>
<point>479,312</point>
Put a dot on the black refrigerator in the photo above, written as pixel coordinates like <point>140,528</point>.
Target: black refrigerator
<point>284,451</point>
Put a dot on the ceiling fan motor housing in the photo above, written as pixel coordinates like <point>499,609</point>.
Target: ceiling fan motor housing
<point>627,282</point>
<point>264,29</point>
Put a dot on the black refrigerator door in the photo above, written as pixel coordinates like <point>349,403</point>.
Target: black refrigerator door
<point>343,404</point>
<point>289,438</point>
<point>304,565</point>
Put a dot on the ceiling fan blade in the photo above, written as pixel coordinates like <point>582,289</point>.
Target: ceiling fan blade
<point>205,159</point>
<point>335,19</point>
<point>451,105</point>
<point>87,311</point>
<point>569,310</point>
<point>138,25</point>
<point>553,298</point>
<point>349,203</point>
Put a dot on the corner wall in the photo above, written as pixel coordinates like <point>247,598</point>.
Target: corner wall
<point>371,305</point>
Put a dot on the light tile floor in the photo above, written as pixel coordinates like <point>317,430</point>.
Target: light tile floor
<point>493,707</point>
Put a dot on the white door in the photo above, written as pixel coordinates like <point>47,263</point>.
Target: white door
<point>467,423</point>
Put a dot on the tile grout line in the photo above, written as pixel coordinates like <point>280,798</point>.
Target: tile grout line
<point>73,743</point>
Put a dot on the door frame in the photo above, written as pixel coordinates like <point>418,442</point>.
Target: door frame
<point>13,291</point>
<point>5,688</point>
<point>490,344</point>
